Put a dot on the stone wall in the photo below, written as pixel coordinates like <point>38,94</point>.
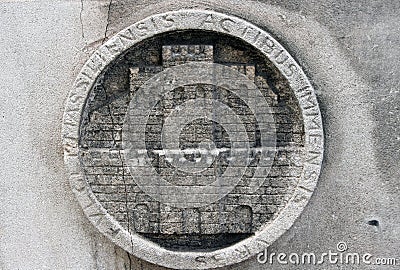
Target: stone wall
<point>347,49</point>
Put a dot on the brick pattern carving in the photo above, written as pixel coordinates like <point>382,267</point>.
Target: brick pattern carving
<point>240,213</point>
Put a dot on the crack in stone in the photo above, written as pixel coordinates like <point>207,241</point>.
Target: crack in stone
<point>108,21</point>
<point>95,254</point>
<point>81,20</point>
<point>126,205</point>
<point>123,166</point>
<point>130,261</point>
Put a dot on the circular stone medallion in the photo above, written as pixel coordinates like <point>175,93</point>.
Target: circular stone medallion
<point>193,139</point>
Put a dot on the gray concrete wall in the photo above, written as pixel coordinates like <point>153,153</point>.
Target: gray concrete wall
<point>349,50</point>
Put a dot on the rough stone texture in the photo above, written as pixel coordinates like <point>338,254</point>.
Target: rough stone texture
<point>347,48</point>
<point>140,137</point>
<point>241,212</point>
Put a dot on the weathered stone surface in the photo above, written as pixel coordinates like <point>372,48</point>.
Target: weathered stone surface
<point>233,181</point>
<point>345,47</point>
